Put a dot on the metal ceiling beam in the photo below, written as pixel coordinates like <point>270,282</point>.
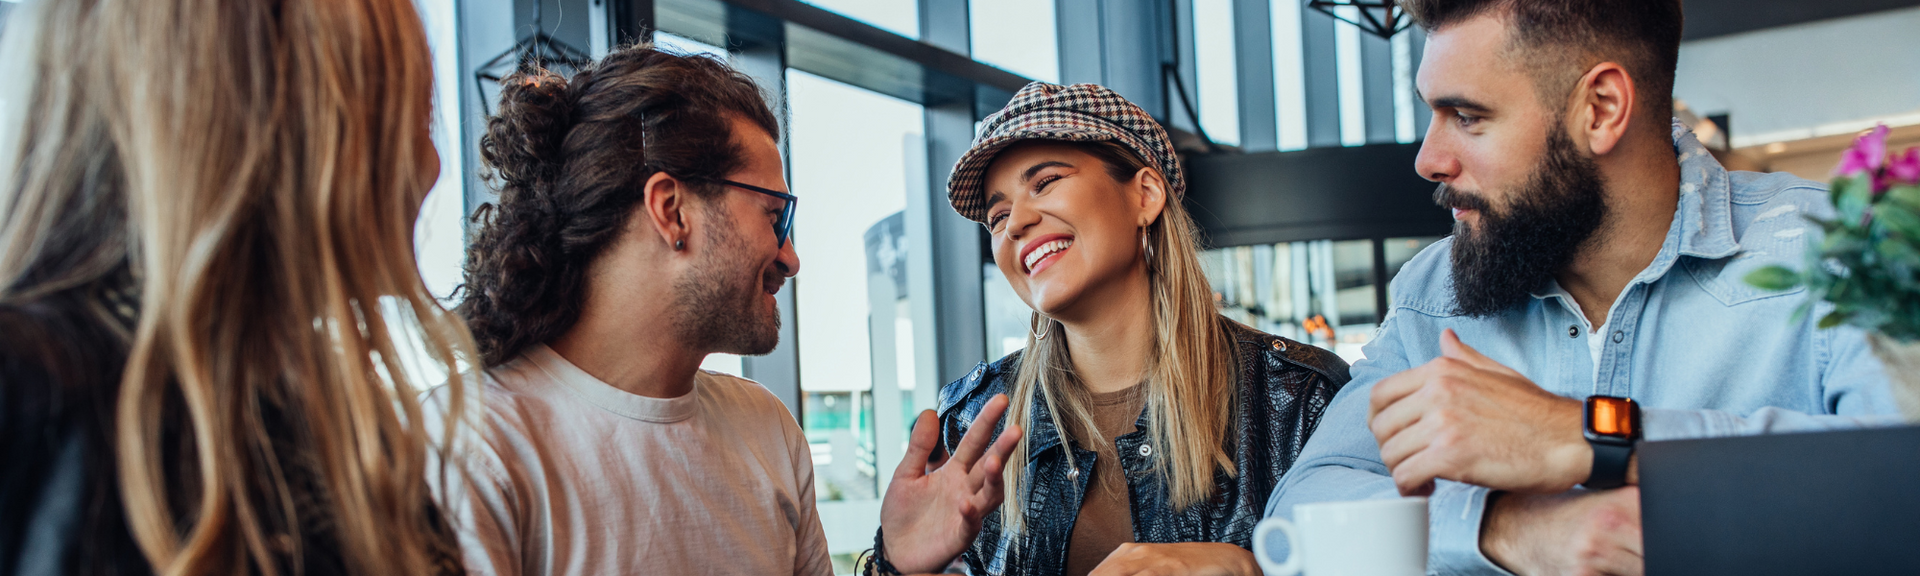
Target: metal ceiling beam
<point>1315,194</point>
<point>828,44</point>
<point>1710,18</point>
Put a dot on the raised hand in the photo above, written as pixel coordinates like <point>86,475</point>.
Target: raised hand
<point>1466,418</point>
<point>933,509</point>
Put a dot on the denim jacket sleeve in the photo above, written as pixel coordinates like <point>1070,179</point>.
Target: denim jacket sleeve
<point>1342,462</point>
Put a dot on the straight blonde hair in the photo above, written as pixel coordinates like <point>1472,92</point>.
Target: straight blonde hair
<point>258,167</point>
<point>1190,373</point>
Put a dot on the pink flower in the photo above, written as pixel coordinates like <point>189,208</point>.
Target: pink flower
<point>1904,169</point>
<point>1867,155</point>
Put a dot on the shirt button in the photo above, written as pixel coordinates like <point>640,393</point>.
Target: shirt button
<point>1279,346</point>
<point>1573,331</point>
<point>1618,336</point>
<point>1146,450</point>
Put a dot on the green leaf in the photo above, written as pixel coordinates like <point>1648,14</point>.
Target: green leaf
<point>1905,196</point>
<point>1894,219</point>
<point>1775,278</point>
<point>1851,198</point>
<point>1832,319</point>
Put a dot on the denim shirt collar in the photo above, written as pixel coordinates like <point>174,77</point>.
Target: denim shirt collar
<point>1702,220</point>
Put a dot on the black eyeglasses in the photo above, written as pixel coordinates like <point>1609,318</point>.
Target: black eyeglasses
<point>782,227</point>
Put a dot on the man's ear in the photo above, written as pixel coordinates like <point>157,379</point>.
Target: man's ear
<point>1604,105</point>
<point>1151,197</point>
<point>665,207</point>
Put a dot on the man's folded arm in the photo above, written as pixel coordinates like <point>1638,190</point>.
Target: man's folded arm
<point>1341,462</point>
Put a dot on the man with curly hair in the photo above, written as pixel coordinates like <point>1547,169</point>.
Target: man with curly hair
<point>643,223</point>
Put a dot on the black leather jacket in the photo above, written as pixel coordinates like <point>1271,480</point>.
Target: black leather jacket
<point>1283,388</point>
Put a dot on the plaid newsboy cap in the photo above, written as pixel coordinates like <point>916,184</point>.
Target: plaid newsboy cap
<point>1077,113</point>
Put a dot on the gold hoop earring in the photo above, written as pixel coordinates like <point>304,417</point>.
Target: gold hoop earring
<point>1040,327</point>
<point>1145,247</point>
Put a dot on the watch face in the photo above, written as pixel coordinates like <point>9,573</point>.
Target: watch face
<point>1611,416</point>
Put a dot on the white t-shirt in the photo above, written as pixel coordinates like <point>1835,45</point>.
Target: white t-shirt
<point>562,473</point>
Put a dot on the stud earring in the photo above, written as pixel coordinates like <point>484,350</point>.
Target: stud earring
<point>679,245</point>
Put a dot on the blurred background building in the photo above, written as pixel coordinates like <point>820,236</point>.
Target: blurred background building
<point>1299,132</point>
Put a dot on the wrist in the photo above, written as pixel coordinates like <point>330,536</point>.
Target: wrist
<point>1571,457</point>
<point>884,563</point>
<point>1574,461</point>
<point>1494,530</point>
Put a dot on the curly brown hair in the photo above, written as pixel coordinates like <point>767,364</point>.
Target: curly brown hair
<point>570,160</point>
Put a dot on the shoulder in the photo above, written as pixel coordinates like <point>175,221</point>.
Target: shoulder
<point>1274,356</point>
<point>54,362</point>
<point>961,399</point>
<point>1769,213</point>
<point>1768,190</point>
<point>1769,217</point>
<point>740,394</point>
<point>748,403</point>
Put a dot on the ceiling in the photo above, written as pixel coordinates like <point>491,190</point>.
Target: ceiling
<point>1710,18</point>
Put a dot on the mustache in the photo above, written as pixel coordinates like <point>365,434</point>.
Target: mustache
<point>1449,197</point>
<point>772,280</point>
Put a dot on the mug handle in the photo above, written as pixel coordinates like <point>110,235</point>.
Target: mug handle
<point>1260,532</point>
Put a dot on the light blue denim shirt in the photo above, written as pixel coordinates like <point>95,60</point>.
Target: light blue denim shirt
<point>1701,351</point>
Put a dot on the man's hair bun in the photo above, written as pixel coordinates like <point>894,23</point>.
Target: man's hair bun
<point>522,145</point>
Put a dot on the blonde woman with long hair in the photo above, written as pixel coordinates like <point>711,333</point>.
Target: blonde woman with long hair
<point>206,262</point>
<point>1155,429</point>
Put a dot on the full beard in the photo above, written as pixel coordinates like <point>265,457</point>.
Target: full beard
<point>719,308</point>
<point>1506,258</point>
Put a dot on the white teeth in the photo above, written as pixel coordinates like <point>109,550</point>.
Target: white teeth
<point>1045,250</point>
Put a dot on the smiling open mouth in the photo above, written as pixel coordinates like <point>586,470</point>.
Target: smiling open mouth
<point>1041,252</point>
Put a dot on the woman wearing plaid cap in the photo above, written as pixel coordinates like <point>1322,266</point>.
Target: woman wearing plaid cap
<point>1154,428</point>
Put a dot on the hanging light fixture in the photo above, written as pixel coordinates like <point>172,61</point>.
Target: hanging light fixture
<point>539,50</point>
<point>1382,18</point>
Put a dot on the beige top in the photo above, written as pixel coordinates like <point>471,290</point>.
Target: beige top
<point>1106,514</point>
<point>569,475</point>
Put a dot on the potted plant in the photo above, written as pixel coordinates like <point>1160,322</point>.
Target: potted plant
<point>1868,263</point>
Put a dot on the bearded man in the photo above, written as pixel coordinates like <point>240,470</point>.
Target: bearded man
<point>1590,297</point>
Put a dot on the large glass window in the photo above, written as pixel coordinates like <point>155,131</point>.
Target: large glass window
<point>1215,66</point>
<point>1289,75</point>
<point>898,16</point>
<point>1009,320</point>
<point>1318,292</point>
<point>849,159</point>
<point>1353,99</point>
<point>1018,36</point>
<point>1324,293</point>
<point>439,235</point>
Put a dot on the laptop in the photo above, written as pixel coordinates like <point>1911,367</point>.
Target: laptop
<point>1814,503</point>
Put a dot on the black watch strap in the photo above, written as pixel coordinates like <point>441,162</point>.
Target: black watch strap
<point>1609,465</point>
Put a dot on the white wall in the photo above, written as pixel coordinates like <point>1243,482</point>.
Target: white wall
<point>1808,80</point>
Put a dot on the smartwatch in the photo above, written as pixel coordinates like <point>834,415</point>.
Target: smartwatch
<point>1612,426</point>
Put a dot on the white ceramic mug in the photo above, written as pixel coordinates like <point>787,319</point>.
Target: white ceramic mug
<point>1361,538</point>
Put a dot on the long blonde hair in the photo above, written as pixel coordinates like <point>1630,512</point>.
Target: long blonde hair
<point>259,166</point>
<point>1190,374</point>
